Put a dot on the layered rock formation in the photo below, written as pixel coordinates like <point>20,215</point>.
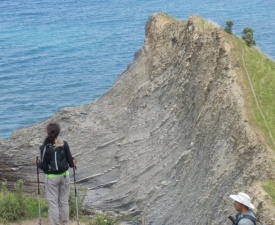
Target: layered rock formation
<point>170,140</point>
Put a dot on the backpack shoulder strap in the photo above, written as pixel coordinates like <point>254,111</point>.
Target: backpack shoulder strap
<point>253,219</point>
<point>44,151</point>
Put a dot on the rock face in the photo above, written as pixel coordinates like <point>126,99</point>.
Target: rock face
<point>170,140</point>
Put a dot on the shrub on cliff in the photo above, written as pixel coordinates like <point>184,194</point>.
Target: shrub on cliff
<point>228,27</point>
<point>248,36</point>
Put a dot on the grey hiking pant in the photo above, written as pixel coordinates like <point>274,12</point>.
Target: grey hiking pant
<point>57,193</point>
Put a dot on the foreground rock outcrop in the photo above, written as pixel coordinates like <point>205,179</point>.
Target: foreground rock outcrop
<point>170,140</point>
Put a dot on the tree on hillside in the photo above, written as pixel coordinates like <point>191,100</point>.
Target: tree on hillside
<point>248,36</point>
<point>228,27</point>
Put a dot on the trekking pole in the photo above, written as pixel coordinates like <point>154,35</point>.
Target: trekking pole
<point>39,209</point>
<point>76,204</point>
<point>232,220</point>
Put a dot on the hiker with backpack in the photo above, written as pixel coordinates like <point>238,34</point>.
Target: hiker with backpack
<point>245,216</point>
<point>55,161</point>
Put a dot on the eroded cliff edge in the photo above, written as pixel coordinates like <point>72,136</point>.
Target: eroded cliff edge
<point>170,139</point>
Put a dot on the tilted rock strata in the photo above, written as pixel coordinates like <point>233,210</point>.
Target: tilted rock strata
<point>170,140</point>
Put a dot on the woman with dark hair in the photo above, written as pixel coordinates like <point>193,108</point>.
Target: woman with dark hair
<point>55,161</point>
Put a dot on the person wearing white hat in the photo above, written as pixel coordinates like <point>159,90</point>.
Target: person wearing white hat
<point>242,203</point>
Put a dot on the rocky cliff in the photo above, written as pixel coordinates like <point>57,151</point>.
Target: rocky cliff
<point>170,140</point>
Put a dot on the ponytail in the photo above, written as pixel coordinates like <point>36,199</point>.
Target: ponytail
<point>53,130</point>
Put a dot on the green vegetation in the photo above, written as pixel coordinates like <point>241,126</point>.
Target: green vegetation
<point>18,205</point>
<point>248,36</point>
<point>80,202</point>
<point>107,219</point>
<point>269,187</point>
<point>248,33</point>
<point>258,84</point>
<point>97,218</point>
<point>228,27</point>
<point>259,77</point>
<point>103,219</point>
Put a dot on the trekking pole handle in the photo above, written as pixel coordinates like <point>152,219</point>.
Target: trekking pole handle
<point>232,220</point>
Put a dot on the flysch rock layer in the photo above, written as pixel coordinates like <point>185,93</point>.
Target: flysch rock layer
<point>170,140</point>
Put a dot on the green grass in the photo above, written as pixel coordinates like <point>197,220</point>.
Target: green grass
<point>269,187</point>
<point>100,218</point>
<point>261,70</point>
<point>81,194</point>
<point>17,205</point>
<point>103,219</point>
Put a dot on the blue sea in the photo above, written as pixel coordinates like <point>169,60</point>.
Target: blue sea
<point>56,54</point>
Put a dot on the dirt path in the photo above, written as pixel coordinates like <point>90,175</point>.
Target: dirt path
<point>44,221</point>
<point>30,222</point>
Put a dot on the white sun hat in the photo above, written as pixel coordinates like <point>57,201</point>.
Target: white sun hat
<point>243,198</point>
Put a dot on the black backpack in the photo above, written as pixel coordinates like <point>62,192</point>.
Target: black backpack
<point>253,219</point>
<point>238,218</point>
<point>58,163</point>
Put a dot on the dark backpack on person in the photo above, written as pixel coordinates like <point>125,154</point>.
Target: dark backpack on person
<point>253,219</point>
<point>58,163</point>
<point>238,218</point>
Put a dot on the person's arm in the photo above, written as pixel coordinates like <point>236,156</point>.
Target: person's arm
<point>69,157</point>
